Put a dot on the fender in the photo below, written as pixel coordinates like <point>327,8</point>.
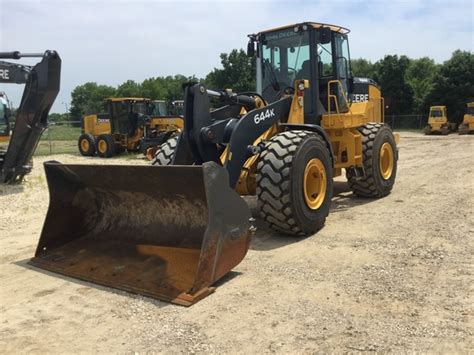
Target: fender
<point>314,128</point>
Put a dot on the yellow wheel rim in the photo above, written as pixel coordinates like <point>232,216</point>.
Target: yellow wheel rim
<point>85,145</point>
<point>315,182</point>
<point>386,162</point>
<point>102,146</point>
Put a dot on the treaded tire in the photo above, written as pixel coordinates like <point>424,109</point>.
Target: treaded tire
<point>110,146</point>
<point>427,130</point>
<point>280,186</point>
<point>164,155</point>
<point>90,139</point>
<point>372,184</point>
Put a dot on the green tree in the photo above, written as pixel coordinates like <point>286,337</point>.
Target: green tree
<point>390,75</point>
<point>453,85</point>
<point>129,89</point>
<point>362,68</point>
<point>88,98</point>
<point>420,75</point>
<point>238,72</point>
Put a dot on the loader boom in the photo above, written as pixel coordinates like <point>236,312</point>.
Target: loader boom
<point>41,89</point>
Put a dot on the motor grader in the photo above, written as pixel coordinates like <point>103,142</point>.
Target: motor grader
<point>171,230</point>
<point>132,123</point>
<point>438,122</point>
<point>467,125</point>
<point>19,141</point>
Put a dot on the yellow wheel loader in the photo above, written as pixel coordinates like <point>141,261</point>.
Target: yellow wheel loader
<point>467,125</point>
<point>18,142</point>
<point>438,122</point>
<point>132,123</point>
<point>171,230</point>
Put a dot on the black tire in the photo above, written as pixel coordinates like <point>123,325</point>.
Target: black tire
<point>86,144</point>
<point>280,182</point>
<point>427,130</point>
<point>164,155</point>
<point>373,184</point>
<point>445,130</point>
<point>105,141</point>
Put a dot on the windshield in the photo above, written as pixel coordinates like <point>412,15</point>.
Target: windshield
<point>140,107</point>
<point>436,113</point>
<point>470,111</point>
<point>160,109</point>
<point>285,58</point>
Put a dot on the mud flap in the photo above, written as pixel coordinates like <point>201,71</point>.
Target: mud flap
<point>167,232</point>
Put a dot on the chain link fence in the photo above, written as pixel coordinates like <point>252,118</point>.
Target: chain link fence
<point>60,138</point>
<point>406,122</point>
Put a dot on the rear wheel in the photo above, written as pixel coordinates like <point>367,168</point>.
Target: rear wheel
<point>380,162</point>
<point>164,155</point>
<point>86,144</point>
<point>106,146</point>
<point>295,182</point>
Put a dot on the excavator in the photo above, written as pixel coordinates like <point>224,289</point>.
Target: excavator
<point>172,229</point>
<point>41,88</point>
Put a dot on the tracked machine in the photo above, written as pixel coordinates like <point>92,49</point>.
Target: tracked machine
<point>438,122</point>
<point>467,125</point>
<point>171,230</point>
<point>41,88</point>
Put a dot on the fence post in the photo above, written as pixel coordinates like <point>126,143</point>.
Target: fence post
<point>49,141</point>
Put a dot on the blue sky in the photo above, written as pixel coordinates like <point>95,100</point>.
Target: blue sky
<point>113,41</point>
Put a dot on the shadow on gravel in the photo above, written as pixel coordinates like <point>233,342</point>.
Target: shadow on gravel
<point>24,263</point>
<point>11,189</point>
<point>343,199</point>
<point>267,239</point>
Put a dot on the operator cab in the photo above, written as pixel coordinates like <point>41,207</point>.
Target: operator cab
<point>312,51</point>
<point>438,112</point>
<point>125,113</point>
<point>4,116</point>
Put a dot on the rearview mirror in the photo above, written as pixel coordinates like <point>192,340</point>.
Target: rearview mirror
<point>251,49</point>
<point>324,35</point>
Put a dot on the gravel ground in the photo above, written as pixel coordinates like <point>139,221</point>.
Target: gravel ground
<point>393,274</point>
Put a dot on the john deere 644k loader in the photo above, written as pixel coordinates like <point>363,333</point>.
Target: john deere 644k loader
<point>171,231</point>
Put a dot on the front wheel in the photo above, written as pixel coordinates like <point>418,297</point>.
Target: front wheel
<point>86,144</point>
<point>295,182</point>
<point>380,158</point>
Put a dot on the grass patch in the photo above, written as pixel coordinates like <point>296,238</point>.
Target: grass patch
<point>61,133</point>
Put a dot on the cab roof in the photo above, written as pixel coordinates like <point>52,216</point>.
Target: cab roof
<point>333,28</point>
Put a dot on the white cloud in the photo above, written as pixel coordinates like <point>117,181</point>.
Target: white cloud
<point>112,41</point>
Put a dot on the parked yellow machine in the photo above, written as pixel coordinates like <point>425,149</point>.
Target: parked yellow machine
<point>467,125</point>
<point>438,122</point>
<point>172,231</point>
<point>132,123</point>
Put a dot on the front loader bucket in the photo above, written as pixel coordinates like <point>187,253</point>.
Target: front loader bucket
<point>166,232</point>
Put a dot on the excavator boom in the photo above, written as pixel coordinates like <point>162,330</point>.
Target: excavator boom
<point>42,86</point>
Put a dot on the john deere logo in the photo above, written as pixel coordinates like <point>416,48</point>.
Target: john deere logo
<point>259,117</point>
<point>5,74</point>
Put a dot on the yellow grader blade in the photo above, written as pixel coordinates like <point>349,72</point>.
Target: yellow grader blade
<point>166,232</point>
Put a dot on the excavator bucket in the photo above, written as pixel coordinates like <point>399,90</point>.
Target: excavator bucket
<point>167,232</point>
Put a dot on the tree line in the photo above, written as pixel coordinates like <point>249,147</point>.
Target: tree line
<point>409,86</point>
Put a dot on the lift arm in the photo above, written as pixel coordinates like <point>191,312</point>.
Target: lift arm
<point>42,86</point>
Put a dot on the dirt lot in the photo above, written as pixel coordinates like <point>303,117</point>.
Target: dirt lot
<point>383,275</point>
